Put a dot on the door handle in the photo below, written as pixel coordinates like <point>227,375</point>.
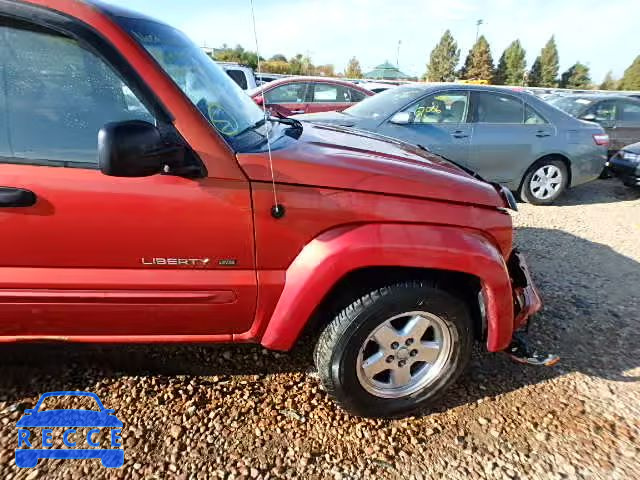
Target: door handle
<point>16,197</point>
<point>459,134</point>
<point>295,112</point>
<point>542,133</point>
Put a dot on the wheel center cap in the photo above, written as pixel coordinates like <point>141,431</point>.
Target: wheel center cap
<point>403,353</point>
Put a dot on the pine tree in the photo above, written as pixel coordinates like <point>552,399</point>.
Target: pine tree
<point>631,78</point>
<point>353,69</point>
<point>479,63</point>
<point>512,65</point>
<point>549,64</point>
<point>535,74</point>
<point>443,60</point>
<point>609,83</point>
<point>577,76</point>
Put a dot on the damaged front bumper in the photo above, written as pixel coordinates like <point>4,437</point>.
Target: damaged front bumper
<point>526,298</point>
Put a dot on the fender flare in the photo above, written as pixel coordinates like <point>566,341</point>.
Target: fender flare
<point>337,252</point>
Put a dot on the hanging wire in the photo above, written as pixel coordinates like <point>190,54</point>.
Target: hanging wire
<point>276,207</point>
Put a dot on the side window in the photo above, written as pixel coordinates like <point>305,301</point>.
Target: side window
<point>628,112</point>
<point>356,95</point>
<point>496,108</point>
<point>531,117</point>
<point>239,77</point>
<point>329,93</point>
<point>58,96</point>
<point>604,111</point>
<point>449,107</point>
<point>288,93</point>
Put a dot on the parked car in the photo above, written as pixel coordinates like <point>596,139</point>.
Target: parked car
<point>626,164</point>
<point>377,87</point>
<point>619,115</point>
<point>139,218</point>
<point>506,136</point>
<point>294,95</point>
<point>241,74</point>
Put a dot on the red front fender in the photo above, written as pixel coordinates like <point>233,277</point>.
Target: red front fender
<point>335,253</point>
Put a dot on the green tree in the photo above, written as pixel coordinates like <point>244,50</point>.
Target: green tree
<point>549,64</point>
<point>577,76</point>
<point>237,54</point>
<point>479,63</point>
<point>631,78</point>
<point>512,65</point>
<point>609,83</point>
<point>535,74</point>
<point>353,69</point>
<point>278,57</point>
<point>443,60</point>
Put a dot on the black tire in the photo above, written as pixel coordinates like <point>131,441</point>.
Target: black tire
<point>527,194</point>
<point>338,349</point>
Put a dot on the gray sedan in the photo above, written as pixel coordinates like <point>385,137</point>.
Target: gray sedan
<point>507,136</point>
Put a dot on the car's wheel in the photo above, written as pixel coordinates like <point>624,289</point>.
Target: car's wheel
<point>394,350</point>
<point>544,182</point>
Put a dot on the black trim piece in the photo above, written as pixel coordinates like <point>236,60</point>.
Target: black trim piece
<point>92,40</point>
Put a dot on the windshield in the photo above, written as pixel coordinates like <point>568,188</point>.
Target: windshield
<point>385,103</point>
<point>571,105</point>
<point>210,89</point>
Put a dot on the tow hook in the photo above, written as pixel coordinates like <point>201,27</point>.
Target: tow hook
<point>521,351</point>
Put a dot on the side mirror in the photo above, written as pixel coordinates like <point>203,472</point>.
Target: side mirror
<point>135,149</point>
<point>258,100</point>
<point>402,118</point>
<point>589,117</point>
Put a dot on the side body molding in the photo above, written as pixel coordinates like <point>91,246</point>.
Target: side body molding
<point>336,252</point>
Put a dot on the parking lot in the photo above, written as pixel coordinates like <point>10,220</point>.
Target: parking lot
<point>243,412</point>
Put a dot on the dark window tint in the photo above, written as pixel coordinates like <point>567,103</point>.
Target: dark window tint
<point>239,77</point>
<point>288,93</point>
<point>58,96</point>
<point>629,112</point>
<point>356,95</point>
<point>496,108</point>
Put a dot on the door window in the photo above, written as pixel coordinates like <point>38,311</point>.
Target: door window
<point>239,77</point>
<point>449,107</point>
<point>356,95</point>
<point>490,107</point>
<point>604,111</point>
<point>629,112</point>
<point>531,117</point>
<point>328,93</point>
<point>288,93</point>
<point>57,97</point>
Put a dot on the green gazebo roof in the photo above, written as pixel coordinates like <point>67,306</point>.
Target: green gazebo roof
<point>386,71</point>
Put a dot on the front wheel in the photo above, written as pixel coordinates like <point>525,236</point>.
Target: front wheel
<point>544,182</point>
<point>395,350</point>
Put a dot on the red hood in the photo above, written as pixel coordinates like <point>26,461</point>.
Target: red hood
<point>334,157</point>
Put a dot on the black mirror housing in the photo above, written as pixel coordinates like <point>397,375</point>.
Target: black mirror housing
<point>135,148</point>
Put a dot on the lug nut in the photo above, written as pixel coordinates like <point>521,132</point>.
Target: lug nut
<point>413,352</point>
<point>395,345</point>
<point>402,363</point>
<point>409,342</point>
<point>390,358</point>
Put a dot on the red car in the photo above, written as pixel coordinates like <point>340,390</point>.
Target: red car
<point>140,203</point>
<point>294,95</point>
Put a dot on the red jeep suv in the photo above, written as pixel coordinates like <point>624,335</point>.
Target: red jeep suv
<point>146,198</point>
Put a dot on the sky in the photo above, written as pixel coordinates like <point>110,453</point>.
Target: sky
<point>601,34</point>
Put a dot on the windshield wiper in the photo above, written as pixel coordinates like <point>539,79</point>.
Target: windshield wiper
<point>257,124</point>
<point>473,173</point>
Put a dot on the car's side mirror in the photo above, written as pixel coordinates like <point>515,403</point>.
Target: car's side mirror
<point>259,100</point>
<point>135,149</point>
<point>402,118</point>
<point>589,117</point>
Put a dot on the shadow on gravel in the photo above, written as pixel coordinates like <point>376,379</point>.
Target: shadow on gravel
<point>591,314</point>
<point>610,190</point>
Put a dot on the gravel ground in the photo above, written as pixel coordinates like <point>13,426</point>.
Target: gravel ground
<point>243,412</point>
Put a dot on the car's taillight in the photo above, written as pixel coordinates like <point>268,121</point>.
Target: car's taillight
<point>601,139</point>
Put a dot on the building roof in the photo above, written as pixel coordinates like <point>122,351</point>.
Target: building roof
<point>386,71</point>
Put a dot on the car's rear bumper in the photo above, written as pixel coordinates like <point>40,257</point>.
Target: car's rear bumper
<point>526,298</point>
